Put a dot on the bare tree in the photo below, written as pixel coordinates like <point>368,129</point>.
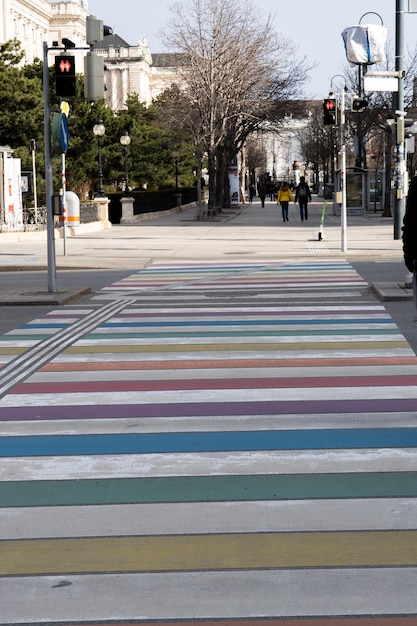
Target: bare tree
<point>238,72</point>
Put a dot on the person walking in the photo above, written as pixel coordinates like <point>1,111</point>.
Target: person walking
<point>409,232</point>
<point>262,194</point>
<point>284,198</point>
<point>303,196</point>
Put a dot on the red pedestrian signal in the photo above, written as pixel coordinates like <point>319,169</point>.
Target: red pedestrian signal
<point>65,76</point>
<point>329,112</point>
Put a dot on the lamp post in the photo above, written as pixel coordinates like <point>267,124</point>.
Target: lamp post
<point>176,154</point>
<point>98,131</point>
<point>125,141</point>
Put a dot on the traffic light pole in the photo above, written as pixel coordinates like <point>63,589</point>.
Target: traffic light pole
<point>48,177</point>
<point>399,112</point>
<point>48,168</point>
<point>343,216</point>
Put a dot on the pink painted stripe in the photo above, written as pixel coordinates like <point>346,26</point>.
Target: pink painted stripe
<point>201,384</point>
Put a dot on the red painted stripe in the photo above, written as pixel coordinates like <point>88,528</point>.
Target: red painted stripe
<point>227,363</point>
<point>204,384</point>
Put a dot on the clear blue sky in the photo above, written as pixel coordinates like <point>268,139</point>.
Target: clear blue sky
<point>315,26</point>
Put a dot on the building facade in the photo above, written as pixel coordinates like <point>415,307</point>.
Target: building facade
<point>129,69</point>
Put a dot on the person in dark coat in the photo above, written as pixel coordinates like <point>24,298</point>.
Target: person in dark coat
<point>410,227</point>
<point>262,194</point>
<point>303,197</point>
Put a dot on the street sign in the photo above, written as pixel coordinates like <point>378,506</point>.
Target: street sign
<point>65,107</point>
<point>60,133</point>
<point>380,83</point>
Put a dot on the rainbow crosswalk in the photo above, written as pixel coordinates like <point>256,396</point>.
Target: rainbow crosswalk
<point>209,442</point>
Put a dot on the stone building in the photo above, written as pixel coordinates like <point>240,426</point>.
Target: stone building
<point>130,69</point>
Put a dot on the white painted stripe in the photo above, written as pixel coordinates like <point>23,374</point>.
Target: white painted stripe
<point>252,463</point>
<point>208,517</point>
<point>393,419</point>
<point>248,330</point>
<point>359,309</point>
<point>245,594</point>
<point>343,340</point>
<point>151,296</point>
<point>382,371</point>
<point>342,352</point>
<point>214,395</point>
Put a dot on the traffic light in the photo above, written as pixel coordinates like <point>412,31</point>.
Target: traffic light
<point>93,77</point>
<point>329,112</point>
<point>65,76</point>
<point>358,104</point>
<point>94,30</point>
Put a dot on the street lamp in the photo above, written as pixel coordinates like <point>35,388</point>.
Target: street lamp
<point>176,154</point>
<point>125,141</point>
<point>98,131</point>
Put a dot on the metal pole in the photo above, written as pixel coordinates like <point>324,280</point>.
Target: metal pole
<point>100,170</point>
<point>343,171</point>
<point>48,177</point>
<point>399,111</point>
<point>35,193</point>
<point>64,201</point>
<point>126,173</point>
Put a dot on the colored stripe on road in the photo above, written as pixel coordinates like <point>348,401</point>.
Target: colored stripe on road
<point>208,552</point>
<point>209,489</point>
<point>151,443</point>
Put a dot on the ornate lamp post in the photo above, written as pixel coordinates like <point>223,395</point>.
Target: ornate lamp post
<point>176,154</point>
<point>125,141</point>
<point>98,131</point>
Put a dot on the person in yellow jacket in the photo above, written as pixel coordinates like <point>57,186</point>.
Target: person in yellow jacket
<point>284,198</point>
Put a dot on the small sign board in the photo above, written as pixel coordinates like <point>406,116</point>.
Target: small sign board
<point>380,83</point>
<point>59,133</point>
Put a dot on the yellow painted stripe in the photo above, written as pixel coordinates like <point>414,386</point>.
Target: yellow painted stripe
<point>235,347</point>
<point>209,552</point>
<point>14,350</point>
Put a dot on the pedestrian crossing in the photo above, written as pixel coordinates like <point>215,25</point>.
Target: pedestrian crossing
<point>211,441</point>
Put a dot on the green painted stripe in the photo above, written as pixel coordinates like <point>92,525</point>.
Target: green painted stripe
<point>208,489</point>
<point>209,552</point>
<point>241,347</point>
<point>26,337</point>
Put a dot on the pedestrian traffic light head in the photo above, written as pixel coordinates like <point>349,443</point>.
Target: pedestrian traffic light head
<point>358,104</point>
<point>329,112</point>
<point>65,76</point>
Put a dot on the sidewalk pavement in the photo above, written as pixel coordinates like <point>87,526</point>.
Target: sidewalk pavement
<point>238,233</point>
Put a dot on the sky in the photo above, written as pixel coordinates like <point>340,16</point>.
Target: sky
<point>315,26</point>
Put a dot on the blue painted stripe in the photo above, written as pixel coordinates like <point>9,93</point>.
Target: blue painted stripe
<point>44,325</point>
<point>135,443</point>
